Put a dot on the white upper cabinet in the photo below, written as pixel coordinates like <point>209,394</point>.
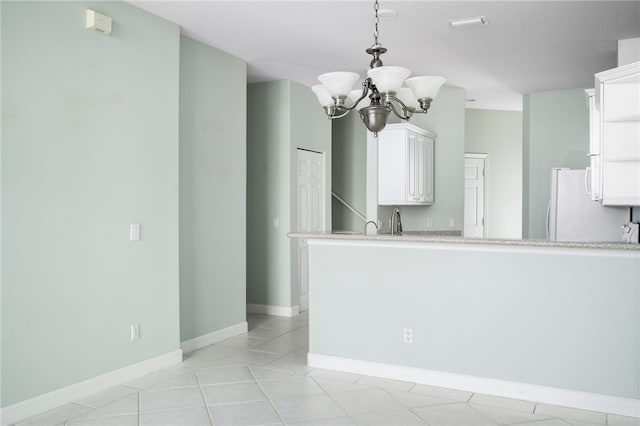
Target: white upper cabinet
<point>405,165</point>
<point>617,98</point>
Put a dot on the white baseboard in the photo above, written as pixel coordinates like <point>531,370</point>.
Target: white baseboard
<point>213,337</point>
<point>31,407</point>
<point>523,391</point>
<point>281,311</point>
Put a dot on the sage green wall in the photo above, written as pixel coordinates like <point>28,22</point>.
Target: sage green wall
<point>349,171</point>
<point>555,134</point>
<point>89,146</point>
<point>499,134</point>
<point>212,189</point>
<point>446,118</point>
<point>563,323</point>
<point>268,194</point>
<point>281,117</point>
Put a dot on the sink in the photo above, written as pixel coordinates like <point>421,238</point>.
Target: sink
<point>346,232</point>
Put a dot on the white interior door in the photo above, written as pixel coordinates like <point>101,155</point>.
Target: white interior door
<point>310,212</point>
<point>474,196</point>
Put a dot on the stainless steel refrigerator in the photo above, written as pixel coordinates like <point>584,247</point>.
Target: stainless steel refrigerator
<point>572,216</point>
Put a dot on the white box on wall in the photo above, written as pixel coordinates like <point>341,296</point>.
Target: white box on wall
<point>628,51</point>
<point>98,22</point>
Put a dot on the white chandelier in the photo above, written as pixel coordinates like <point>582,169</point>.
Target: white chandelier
<point>384,83</point>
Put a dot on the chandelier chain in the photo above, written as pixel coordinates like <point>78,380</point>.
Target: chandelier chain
<point>376,20</point>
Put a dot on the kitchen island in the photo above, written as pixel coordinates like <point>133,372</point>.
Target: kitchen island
<point>551,322</point>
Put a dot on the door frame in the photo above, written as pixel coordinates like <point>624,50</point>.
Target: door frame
<point>485,212</point>
<point>303,301</point>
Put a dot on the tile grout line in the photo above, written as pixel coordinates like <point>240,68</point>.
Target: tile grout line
<point>206,407</point>
<point>386,391</point>
<point>402,405</point>
<point>256,350</point>
<point>332,400</point>
<point>265,394</point>
<point>273,360</point>
<point>483,414</point>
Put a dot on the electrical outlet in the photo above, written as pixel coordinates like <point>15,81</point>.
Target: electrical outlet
<point>135,332</point>
<point>429,223</point>
<point>408,335</point>
<point>452,222</point>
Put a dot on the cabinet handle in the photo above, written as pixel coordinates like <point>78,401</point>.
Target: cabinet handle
<point>587,177</point>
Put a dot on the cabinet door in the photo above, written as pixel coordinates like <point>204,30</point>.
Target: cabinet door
<point>428,171</point>
<point>419,176</point>
<point>405,166</point>
<point>421,152</point>
<point>424,169</point>
<point>412,167</point>
<point>392,167</point>
<point>618,96</point>
<point>621,184</point>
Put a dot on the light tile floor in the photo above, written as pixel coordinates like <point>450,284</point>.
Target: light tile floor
<point>261,378</point>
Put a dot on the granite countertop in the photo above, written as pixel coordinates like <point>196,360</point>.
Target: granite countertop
<point>455,237</point>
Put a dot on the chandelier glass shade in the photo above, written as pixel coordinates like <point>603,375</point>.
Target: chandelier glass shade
<point>383,86</point>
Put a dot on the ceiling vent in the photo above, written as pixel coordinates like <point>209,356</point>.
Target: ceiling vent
<point>468,22</point>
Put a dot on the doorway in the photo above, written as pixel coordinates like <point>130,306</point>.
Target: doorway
<point>475,190</point>
<point>310,212</point>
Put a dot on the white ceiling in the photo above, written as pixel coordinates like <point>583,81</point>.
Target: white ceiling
<point>528,46</point>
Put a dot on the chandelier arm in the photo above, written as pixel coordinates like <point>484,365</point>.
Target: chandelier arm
<point>365,91</point>
<point>395,98</point>
<point>408,111</point>
<point>395,111</point>
<point>346,111</point>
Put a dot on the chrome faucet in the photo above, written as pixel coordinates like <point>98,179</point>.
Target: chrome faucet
<point>396,222</point>
<point>367,224</point>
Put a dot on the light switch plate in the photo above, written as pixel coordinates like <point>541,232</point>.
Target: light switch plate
<point>135,332</point>
<point>134,232</point>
